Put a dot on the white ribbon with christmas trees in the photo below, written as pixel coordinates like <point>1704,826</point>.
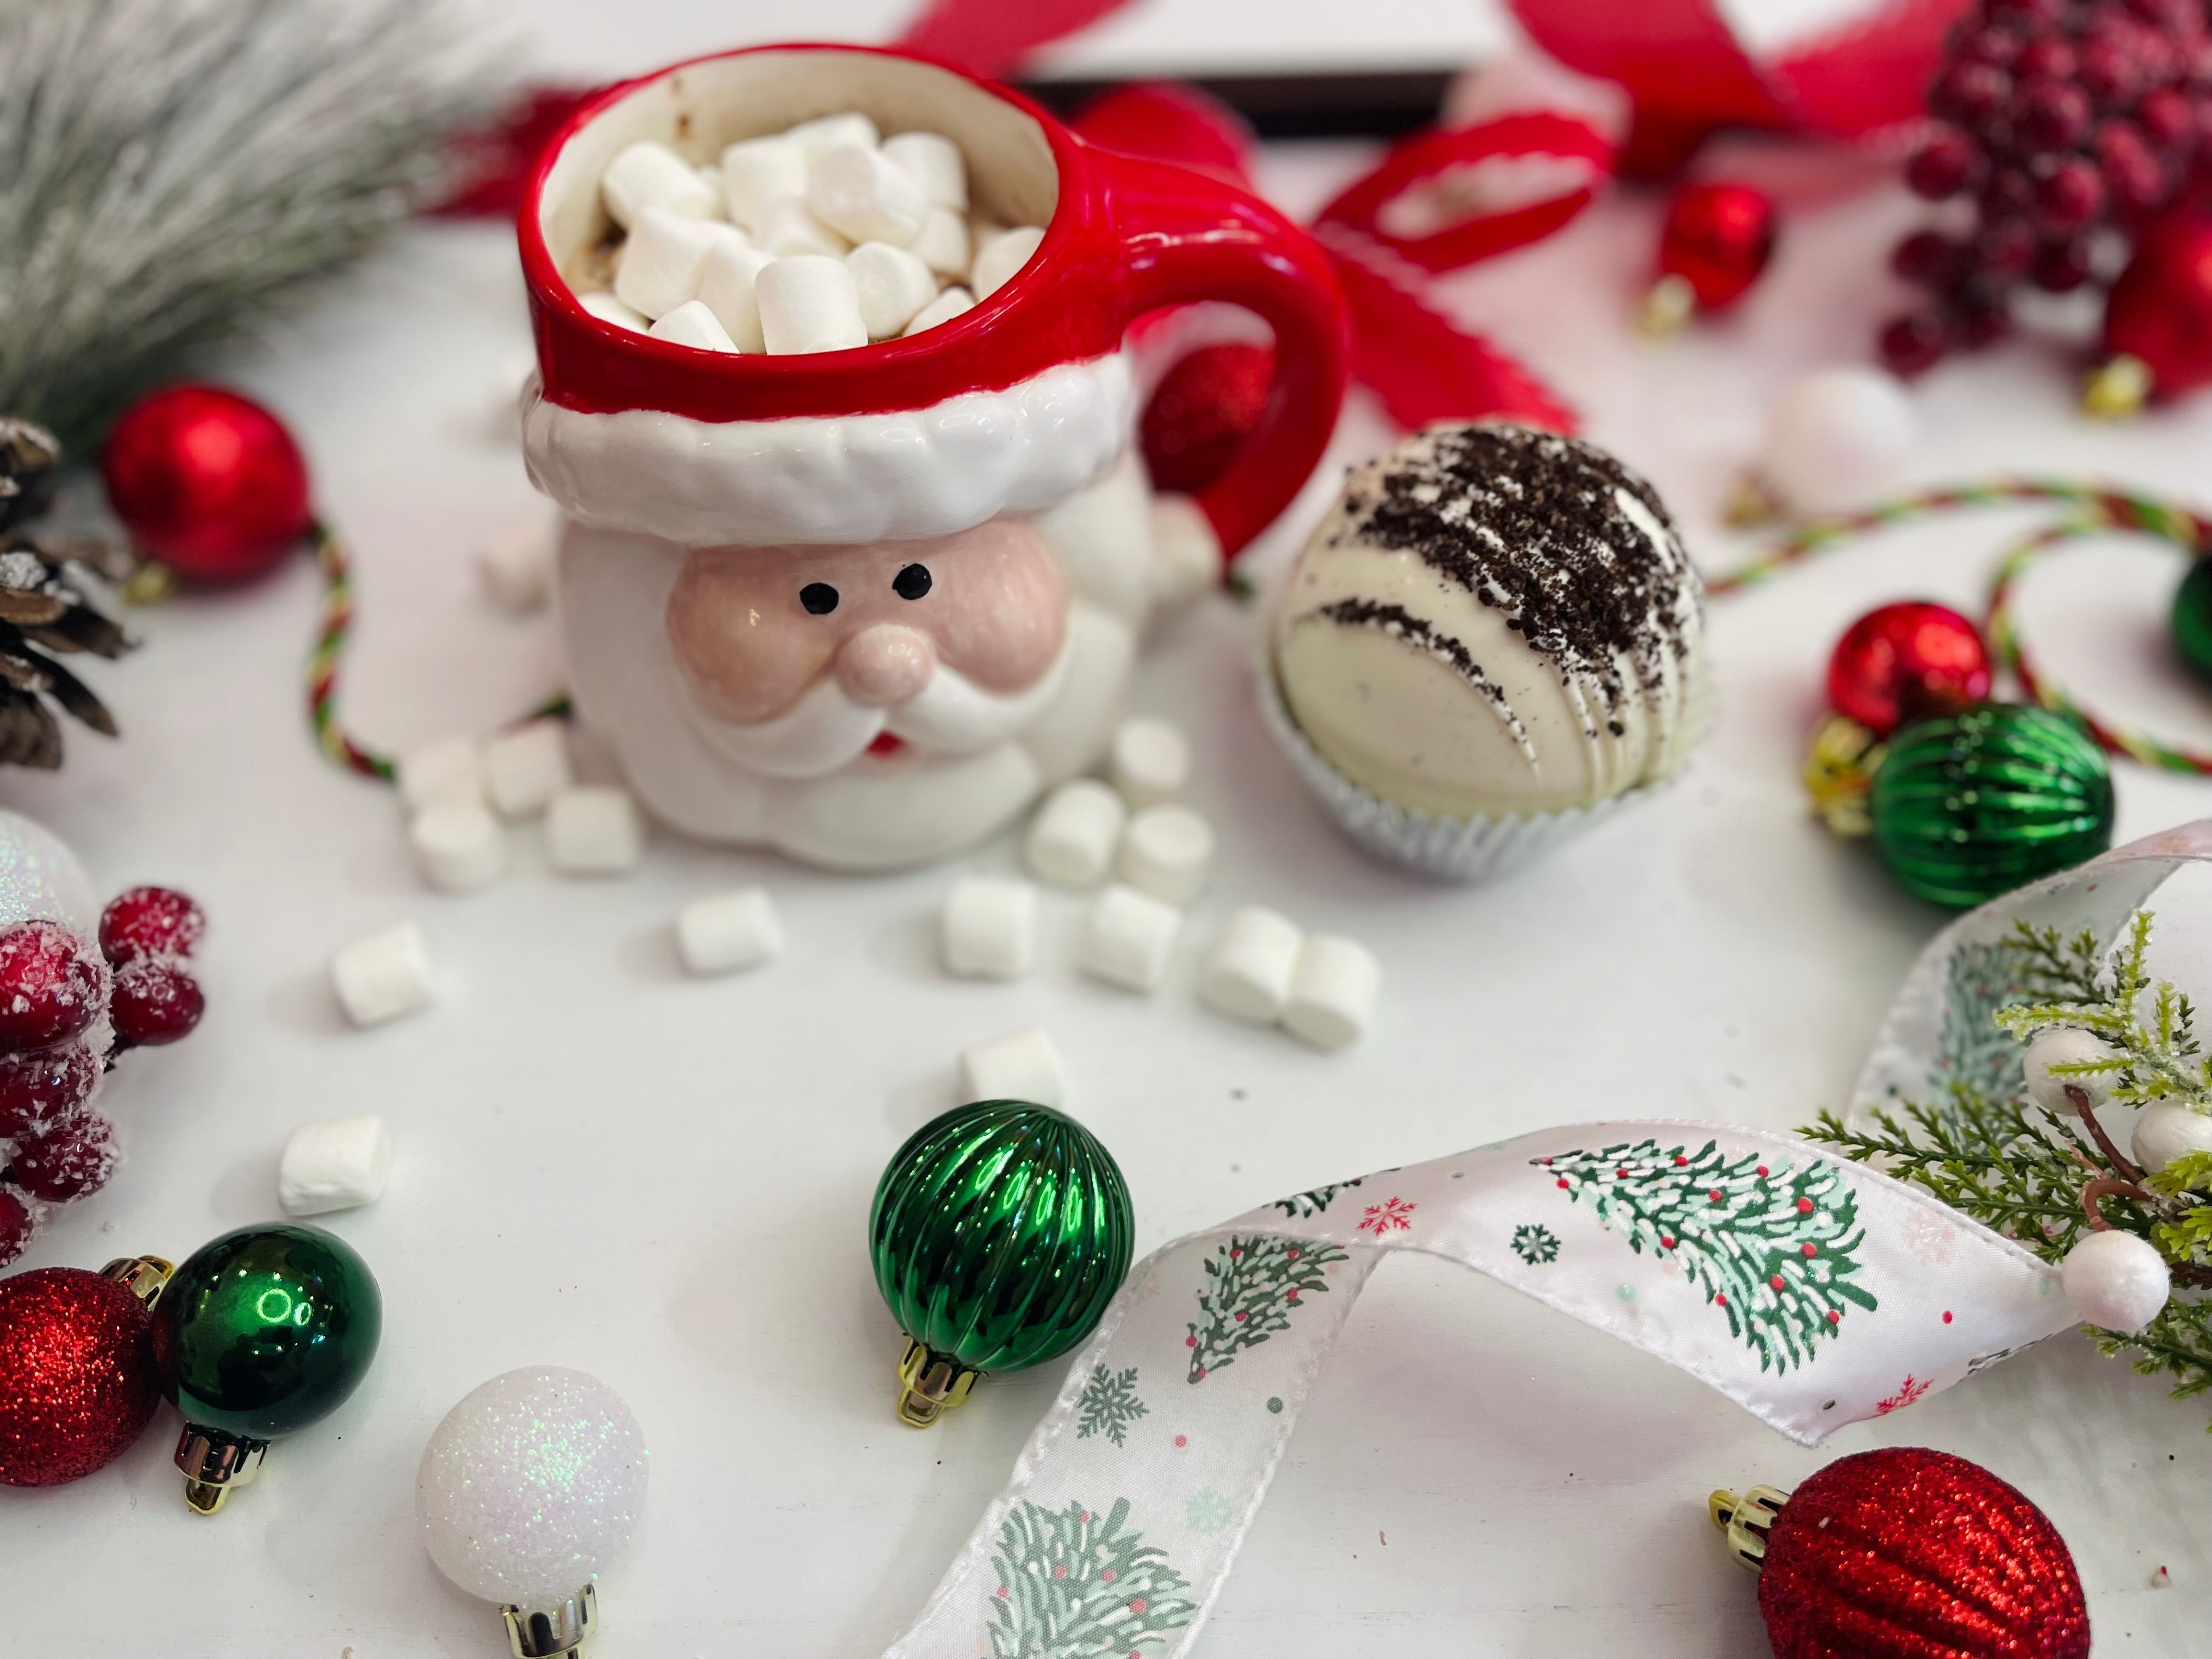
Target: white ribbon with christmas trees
<point>1811,1290</point>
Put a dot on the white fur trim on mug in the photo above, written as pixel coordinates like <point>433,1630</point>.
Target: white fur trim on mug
<point>846,479</point>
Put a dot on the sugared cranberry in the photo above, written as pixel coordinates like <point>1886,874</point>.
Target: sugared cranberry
<point>1980,320</point>
<point>2062,267</point>
<point>156,1001</point>
<point>2051,115</point>
<point>39,1088</point>
<point>74,1157</point>
<point>2007,194</point>
<point>2070,198</point>
<point>1943,167</point>
<point>2132,172</point>
<point>51,987</point>
<point>1928,257</point>
<point>16,1226</point>
<point>1991,45</point>
<point>2111,71</point>
<point>150,922</point>
<point>1914,344</point>
<point>2004,251</point>
<point>1970,93</point>
<point>2167,118</point>
<point>2047,57</point>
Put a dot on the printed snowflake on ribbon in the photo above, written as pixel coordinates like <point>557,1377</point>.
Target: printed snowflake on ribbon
<point>1252,1283</point>
<point>1071,1583</point>
<point>1108,1404</point>
<point>1299,1206</point>
<point>1208,1511</point>
<point>1392,1214</point>
<point>1773,1247</point>
<point>1535,1245</point>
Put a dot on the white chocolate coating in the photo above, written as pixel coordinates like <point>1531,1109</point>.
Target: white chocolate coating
<point>1437,643</point>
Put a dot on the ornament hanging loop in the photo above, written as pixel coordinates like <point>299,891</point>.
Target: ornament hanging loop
<point>144,1276</point>
<point>215,1465</point>
<point>1745,1518</point>
<point>930,1384</point>
<point>559,1632</point>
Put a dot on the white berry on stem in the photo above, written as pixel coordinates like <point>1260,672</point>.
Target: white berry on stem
<point>2117,1280</point>
<point>2066,1045</point>
<point>2166,1131</point>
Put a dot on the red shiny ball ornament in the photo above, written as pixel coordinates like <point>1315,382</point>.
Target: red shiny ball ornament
<point>209,482</point>
<point>1718,239</point>
<point>150,922</point>
<point>2159,311</point>
<point>17,1224</point>
<point>51,987</point>
<point>74,1157</point>
<point>1207,405</point>
<point>39,1090</point>
<point>1907,662</point>
<point>156,1002</point>
<point>78,1381</point>
<point>1908,1553</point>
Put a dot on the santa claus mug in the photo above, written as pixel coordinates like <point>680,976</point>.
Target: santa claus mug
<point>863,605</point>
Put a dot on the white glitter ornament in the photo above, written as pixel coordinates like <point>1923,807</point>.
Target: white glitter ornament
<point>1836,440</point>
<point>529,1488</point>
<point>40,878</point>
<point>2116,1280</point>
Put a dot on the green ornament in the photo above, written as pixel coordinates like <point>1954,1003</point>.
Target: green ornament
<point>1968,807</point>
<point>1000,1232</point>
<point>2191,619</point>
<point>262,1332</point>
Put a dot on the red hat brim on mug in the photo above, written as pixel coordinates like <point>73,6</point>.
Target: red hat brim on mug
<point>1010,408</point>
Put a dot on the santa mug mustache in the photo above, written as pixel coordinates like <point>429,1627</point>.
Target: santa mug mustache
<point>864,605</point>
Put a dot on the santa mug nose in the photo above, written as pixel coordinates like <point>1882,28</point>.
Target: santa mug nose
<point>885,665</point>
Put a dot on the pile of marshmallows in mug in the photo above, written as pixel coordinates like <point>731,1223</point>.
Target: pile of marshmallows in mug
<point>819,238</point>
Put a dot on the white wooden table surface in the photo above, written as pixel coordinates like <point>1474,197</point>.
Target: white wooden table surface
<point>603,1164</point>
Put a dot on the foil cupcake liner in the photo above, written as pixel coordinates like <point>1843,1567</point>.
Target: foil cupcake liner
<point>1449,848</point>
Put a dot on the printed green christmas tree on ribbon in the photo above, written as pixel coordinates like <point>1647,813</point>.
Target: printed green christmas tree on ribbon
<point>1253,1283</point>
<point>1771,1245</point>
<point>1070,1583</point>
<point>1975,1050</point>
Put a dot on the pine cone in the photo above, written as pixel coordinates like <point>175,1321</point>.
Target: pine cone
<point>30,457</point>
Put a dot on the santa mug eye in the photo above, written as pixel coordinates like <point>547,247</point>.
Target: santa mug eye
<point>819,598</point>
<point>912,582</point>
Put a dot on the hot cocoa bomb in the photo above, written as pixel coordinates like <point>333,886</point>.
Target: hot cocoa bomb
<point>1494,622</point>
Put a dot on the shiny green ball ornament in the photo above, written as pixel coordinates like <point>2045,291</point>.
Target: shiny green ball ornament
<point>261,1333</point>
<point>1971,805</point>
<point>1000,1233</point>
<point>2191,618</point>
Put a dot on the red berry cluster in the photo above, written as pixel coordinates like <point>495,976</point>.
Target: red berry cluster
<point>54,986</point>
<point>2065,122</point>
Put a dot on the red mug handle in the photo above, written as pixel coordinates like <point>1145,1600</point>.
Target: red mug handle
<point>1184,237</point>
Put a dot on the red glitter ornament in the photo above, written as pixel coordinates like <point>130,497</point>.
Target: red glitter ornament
<point>2158,319</point>
<point>1717,241</point>
<point>1207,405</point>
<point>209,482</point>
<point>1904,662</point>
<point>1908,1553</point>
<point>78,1381</point>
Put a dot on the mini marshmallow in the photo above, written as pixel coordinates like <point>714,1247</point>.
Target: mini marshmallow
<point>1168,851</point>
<point>650,175</point>
<point>1332,991</point>
<point>1150,761</point>
<point>989,928</point>
<point>1247,973</point>
<point>809,303</point>
<point>935,163</point>
<point>1072,837</point>
<point>458,846</point>
<point>1023,1067</point>
<point>942,309</point>
<point>710,175</point>
<point>693,325</point>
<point>1129,938</point>
<point>660,263</point>
<point>833,132</point>
<point>942,243</point>
<point>787,228</point>
<point>526,768</point>
<point>452,769</point>
<point>383,977</point>
<point>729,930</point>
<point>892,285</point>
<point>516,568</point>
<point>1186,553</point>
<point>594,829</point>
<point>608,308</point>
<point>997,259</point>
<point>335,1164</point>
<point>865,195</point>
<point>759,170</point>
<point>725,287</point>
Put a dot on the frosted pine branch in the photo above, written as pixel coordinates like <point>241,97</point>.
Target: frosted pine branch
<point>172,172</point>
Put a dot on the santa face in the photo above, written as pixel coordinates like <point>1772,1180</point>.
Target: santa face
<point>806,656</point>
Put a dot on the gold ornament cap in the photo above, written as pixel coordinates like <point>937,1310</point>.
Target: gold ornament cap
<point>930,1384</point>
<point>144,1276</point>
<point>556,1632</point>
<point>217,1464</point>
<point>1745,1519</point>
<point>2120,389</point>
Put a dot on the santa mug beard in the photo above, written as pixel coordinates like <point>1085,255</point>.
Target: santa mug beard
<point>828,728</point>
